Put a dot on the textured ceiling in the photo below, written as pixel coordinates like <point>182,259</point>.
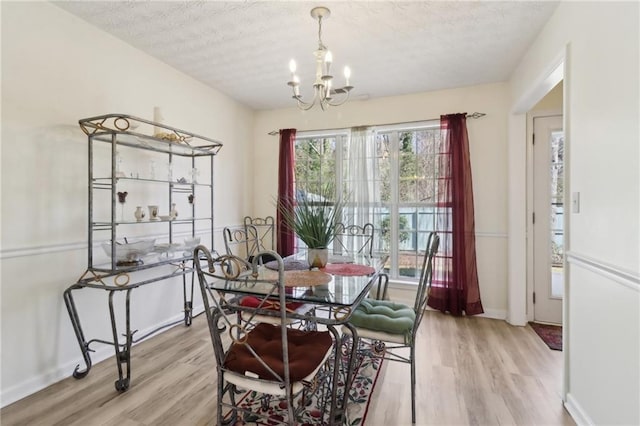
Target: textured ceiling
<point>243,48</point>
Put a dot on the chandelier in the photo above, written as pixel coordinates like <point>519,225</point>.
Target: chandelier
<point>323,93</point>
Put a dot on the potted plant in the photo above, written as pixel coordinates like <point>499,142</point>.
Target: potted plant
<point>313,219</point>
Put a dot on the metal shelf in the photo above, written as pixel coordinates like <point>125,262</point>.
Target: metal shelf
<point>170,140</point>
<point>107,181</point>
<point>103,223</point>
<point>125,130</point>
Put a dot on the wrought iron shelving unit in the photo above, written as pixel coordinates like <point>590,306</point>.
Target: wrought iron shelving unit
<point>127,132</point>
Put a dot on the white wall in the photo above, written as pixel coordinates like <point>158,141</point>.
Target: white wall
<point>57,69</point>
<point>602,312</point>
<point>552,101</point>
<point>487,139</point>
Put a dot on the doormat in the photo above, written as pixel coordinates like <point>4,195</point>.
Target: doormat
<point>550,334</point>
<point>365,380</point>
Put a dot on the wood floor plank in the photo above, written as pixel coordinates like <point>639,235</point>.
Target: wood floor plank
<point>470,371</point>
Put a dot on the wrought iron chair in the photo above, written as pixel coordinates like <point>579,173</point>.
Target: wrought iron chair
<point>356,239</point>
<point>389,326</point>
<point>244,242</point>
<point>266,231</point>
<point>353,239</point>
<point>274,360</point>
<point>241,241</point>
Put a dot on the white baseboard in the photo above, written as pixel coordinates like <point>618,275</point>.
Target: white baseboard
<point>577,412</point>
<point>404,293</point>
<point>35,384</point>
<point>500,314</point>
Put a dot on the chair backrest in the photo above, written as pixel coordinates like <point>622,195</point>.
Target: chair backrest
<point>241,241</point>
<point>426,276</point>
<point>353,239</point>
<point>266,231</point>
<point>236,271</point>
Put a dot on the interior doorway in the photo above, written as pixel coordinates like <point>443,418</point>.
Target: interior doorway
<point>548,218</point>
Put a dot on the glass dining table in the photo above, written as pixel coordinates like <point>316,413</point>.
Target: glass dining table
<point>350,279</point>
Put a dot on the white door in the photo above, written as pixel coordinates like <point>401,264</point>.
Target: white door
<point>548,234</point>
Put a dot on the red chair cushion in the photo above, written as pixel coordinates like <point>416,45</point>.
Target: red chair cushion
<point>254,302</point>
<point>306,351</point>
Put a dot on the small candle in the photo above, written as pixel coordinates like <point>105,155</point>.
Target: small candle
<point>157,118</point>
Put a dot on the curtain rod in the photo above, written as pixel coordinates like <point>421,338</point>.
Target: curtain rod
<point>472,115</point>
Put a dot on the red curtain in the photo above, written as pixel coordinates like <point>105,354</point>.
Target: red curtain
<point>455,283</point>
<point>286,168</point>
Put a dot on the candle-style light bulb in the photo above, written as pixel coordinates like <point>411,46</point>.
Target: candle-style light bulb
<point>292,66</point>
<point>347,75</point>
<point>328,57</point>
<point>296,85</point>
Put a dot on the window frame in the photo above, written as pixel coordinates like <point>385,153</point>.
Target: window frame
<point>393,206</point>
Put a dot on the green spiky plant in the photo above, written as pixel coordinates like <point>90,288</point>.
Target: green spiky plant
<point>314,221</point>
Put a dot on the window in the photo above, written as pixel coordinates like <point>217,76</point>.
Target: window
<point>401,181</point>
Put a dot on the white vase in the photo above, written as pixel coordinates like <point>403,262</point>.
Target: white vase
<point>153,212</point>
<point>318,257</point>
<point>139,214</point>
<point>174,212</point>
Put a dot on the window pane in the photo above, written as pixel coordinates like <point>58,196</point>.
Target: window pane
<point>383,147</point>
<point>315,165</point>
<point>407,168</point>
<point>415,224</point>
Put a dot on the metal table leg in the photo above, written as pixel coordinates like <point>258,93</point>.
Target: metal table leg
<point>75,323</point>
<point>188,300</point>
<point>123,355</point>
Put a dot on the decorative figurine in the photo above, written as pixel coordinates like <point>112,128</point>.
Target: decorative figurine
<point>122,198</point>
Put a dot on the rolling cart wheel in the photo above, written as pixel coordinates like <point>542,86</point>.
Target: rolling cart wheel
<point>122,385</point>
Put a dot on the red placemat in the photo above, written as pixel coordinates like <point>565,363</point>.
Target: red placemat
<point>348,269</point>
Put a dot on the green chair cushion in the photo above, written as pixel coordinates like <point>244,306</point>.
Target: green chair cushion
<point>384,315</point>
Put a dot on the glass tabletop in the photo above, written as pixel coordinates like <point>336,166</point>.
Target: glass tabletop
<point>335,290</point>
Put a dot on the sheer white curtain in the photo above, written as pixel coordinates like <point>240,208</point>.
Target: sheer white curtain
<point>361,180</point>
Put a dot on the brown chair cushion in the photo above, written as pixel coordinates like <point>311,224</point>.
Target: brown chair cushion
<point>306,351</point>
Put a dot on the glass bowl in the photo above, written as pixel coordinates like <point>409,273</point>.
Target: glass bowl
<point>130,253</point>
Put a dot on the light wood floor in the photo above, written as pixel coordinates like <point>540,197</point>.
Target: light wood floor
<point>471,371</point>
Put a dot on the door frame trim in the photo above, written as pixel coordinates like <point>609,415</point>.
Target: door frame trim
<point>558,68</point>
<point>530,230</point>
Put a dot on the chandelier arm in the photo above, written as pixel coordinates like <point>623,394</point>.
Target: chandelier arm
<point>338,103</point>
<point>306,106</point>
